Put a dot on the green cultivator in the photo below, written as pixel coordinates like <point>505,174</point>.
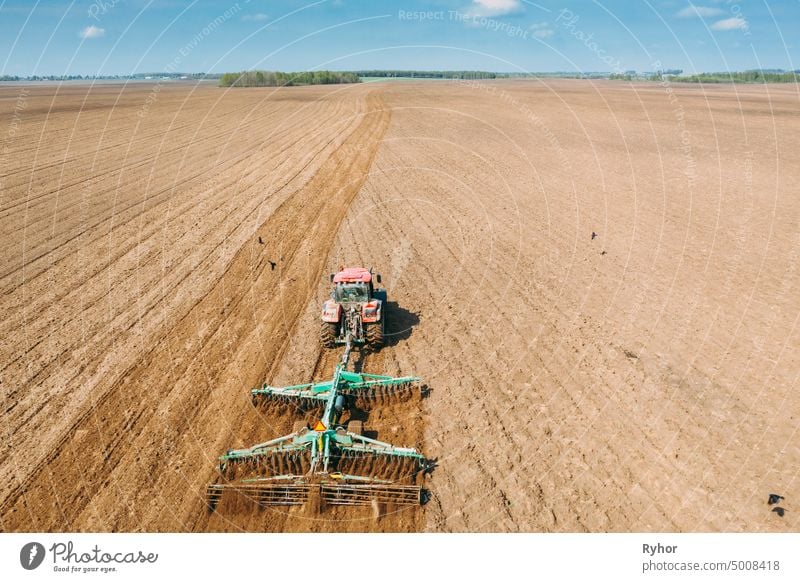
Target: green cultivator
<point>335,464</point>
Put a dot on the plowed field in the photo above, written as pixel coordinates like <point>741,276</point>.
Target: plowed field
<point>599,283</point>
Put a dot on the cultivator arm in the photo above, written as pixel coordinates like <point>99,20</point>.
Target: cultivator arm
<point>342,467</point>
<point>333,452</point>
<point>363,390</point>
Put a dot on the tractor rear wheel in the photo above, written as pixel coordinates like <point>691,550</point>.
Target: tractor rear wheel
<point>327,334</point>
<point>374,333</point>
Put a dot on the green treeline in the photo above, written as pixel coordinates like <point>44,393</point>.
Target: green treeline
<point>279,79</point>
<point>740,77</point>
<point>432,74</point>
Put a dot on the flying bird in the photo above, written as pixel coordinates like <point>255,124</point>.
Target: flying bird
<point>594,235</point>
<point>271,264</point>
<point>779,510</point>
<point>774,498</point>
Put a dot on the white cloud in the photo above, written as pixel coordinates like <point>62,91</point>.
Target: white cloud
<point>92,32</point>
<point>735,23</point>
<point>692,11</point>
<point>543,33</point>
<point>254,17</point>
<point>494,7</point>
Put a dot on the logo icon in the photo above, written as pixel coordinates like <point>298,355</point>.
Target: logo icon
<point>31,555</point>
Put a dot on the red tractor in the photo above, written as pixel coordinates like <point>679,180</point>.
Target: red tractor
<point>355,308</point>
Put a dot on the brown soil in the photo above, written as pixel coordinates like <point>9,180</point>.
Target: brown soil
<point>641,380</point>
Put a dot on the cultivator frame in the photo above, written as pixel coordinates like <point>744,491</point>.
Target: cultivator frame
<point>323,462</point>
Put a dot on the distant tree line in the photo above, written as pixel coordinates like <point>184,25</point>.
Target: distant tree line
<point>432,74</point>
<point>46,78</point>
<point>740,77</point>
<point>178,76</point>
<point>280,79</point>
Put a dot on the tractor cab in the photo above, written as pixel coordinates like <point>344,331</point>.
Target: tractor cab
<point>353,285</point>
<point>352,292</point>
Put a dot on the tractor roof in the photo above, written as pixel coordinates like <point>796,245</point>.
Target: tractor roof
<point>353,275</point>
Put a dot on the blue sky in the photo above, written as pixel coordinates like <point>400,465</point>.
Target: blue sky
<point>127,36</point>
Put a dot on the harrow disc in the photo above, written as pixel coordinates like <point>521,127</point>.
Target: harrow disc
<point>268,465</point>
<point>384,394</point>
<point>384,467</point>
<point>280,405</point>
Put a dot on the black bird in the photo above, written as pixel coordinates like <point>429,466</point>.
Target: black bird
<point>779,510</point>
<point>271,265</point>
<point>594,235</point>
<point>774,498</point>
<point>261,242</point>
<point>602,253</point>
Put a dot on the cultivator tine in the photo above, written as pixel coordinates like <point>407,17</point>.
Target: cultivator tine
<point>213,495</point>
<point>262,494</point>
<point>281,495</point>
<point>357,494</point>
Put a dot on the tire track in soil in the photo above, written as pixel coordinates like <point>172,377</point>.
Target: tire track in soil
<point>139,459</point>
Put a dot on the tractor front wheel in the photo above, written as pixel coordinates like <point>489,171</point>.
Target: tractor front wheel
<point>327,334</point>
